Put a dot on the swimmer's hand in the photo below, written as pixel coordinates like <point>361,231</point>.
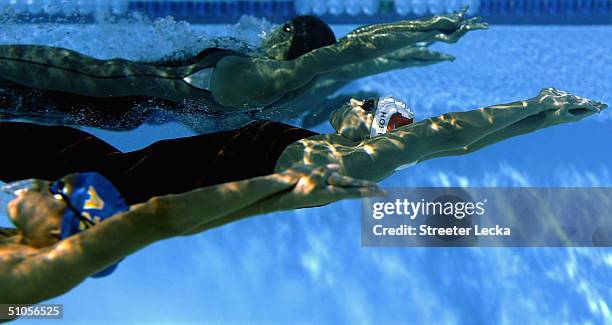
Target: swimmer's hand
<point>559,106</point>
<point>453,26</point>
<point>314,186</point>
<point>294,188</point>
<point>418,55</point>
<point>302,186</point>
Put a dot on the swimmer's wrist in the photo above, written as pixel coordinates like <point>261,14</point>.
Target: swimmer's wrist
<point>535,104</point>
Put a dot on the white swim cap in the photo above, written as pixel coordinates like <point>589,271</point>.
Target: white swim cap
<point>390,114</point>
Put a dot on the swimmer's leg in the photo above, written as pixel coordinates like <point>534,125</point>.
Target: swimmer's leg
<point>180,165</point>
<point>166,167</point>
<point>49,152</point>
<point>61,108</point>
<point>63,70</point>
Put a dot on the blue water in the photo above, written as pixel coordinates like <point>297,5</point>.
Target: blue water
<point>308,266</point>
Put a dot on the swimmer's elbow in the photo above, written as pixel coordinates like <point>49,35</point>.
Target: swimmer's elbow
<point>158,216</point>
<point>167,216</point>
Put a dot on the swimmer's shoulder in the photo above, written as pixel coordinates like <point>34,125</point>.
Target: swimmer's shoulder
<point>244,65</point>
<point>242,80</point>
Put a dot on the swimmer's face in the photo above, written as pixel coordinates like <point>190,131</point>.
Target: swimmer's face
<point>352,121</point>
<point>277,44</point>
<point>38,214</point>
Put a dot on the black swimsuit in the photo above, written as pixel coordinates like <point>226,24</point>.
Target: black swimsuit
<point>59,86</point>
<point>165,167</point>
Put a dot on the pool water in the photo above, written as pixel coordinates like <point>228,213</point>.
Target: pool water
<point>308,266</point>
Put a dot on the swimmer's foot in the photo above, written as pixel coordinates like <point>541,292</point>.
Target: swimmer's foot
<point>562,107</point>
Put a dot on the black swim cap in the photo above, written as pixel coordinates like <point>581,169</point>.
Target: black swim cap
<point>309,33</point>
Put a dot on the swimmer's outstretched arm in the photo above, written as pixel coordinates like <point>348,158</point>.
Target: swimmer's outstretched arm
<point>445,135</point>
<point>373,41</point>
<point>529,124</point>
<point>407,57</point>
<point>265,81</point>
<point>464,132</point>
<point>55,270</point>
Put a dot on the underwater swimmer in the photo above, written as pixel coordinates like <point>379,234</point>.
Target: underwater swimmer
<point>373,138</point>
<point>80,226</point>
<point>301,63</point>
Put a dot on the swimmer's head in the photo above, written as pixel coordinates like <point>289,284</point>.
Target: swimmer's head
<point>46,212</point>
<point>297,37</point>
<point>360,120</point>
<point>35,211</point>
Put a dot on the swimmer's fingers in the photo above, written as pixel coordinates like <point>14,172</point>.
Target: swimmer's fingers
<point>455,20</point>
<point>566,103</point>
<point>565,115</point>
<point>454,36</point>
<point>320,195</point>
<point>448,21</point>
<point>418,55</point>
<point>475,23</point>
<point>336,179</point>
<point>328,180</point>
<point>587,104</point>
<point>296,174</point>
<point>350,187</point>
<point>309,177</point>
